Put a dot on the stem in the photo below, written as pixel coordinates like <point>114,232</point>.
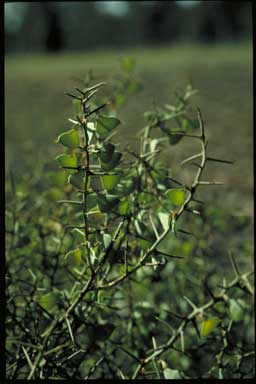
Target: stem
<point>86,181</point>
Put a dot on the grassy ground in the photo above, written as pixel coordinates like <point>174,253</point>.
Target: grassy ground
<point>36,109</point>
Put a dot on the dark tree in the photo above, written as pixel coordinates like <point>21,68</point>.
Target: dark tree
<point>54,33</point>
<point>160,22</point>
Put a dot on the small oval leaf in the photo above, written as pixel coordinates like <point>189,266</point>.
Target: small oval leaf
<point>74,257</point>
<point>69,139</point>
<point>171,374</point>
<point>209,325</point>
<point>235,310</point>
<point>106,240</point>
<point>67,161</point>
<point>105,124</point>
<point>124,207</point>
<point>107,202</point>
<point>77,180</point>
<point>164,219</point>
<point>110,181</point>
<point>108,166</point>
<point>48,301</point>
<point>176,196</point>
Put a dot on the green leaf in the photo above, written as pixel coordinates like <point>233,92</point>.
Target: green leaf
<point>112,163</point>
<point>74,257</point>
<point>123,207</point>
<point>53,194</point>
<point>77,180</point>
<point>90,130</point>
<point>110,181</point>
<point>107,202</point>
<point>48,301</point>
<point>105,124</point>
<point>103,332</point>
<point>69,139</point>
<point>145,198</point>
<point>236,311</point>
<point>106,240</point>
<point>92,200</point>
<point>67,161</point>
<point>171,374</point>
<point>79,235</point>
<point>97,219</point>
<point>106,153</point>
<point>144,244</point>
<point>189,125</point>
<point>58,179</point>
<point>164,219</point>
<point>209,325</point>
<point>176,196</point>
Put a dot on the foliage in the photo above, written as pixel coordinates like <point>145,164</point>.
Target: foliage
<point>123,279</point>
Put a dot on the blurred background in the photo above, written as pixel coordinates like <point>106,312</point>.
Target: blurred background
<point>49,46</point>
<point>59,26</point>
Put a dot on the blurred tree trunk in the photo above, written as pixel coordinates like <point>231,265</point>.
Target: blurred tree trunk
<point>54,40</point>
<point>161,22</point>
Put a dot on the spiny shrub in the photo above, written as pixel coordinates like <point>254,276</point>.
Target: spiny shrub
<point>129,286</point>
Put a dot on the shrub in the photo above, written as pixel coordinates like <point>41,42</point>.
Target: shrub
<point>122,280</point>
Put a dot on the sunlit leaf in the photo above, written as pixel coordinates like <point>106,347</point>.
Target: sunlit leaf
<point>58,179</point>
<point>176,196</point>
<point>110,181</point>
<point>74,257</point>
<point>236,310</point>
<point>123,207</point>
<point>67,161</point>
<point>164,219</point>
<point>106,240</point>
<point>48,301</point>
<point>69,139</point>
<point>171,374</point>
<point>209,325</point>
<point>90,130</point>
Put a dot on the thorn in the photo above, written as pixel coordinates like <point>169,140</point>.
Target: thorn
<point>210,183</point>
<point>219,160</point>
<point>190,302</point>
<point>168,255</point>
<point>190,158</point>
<point>73,96</point>
<point>208,290</point>
<point>234,265</point>
<point>197,165</point>
<point>94,87</point>
<point>192,211</point>
<point>196,327</point>
<point>180,317</point>
<point>186,232</point>
<point>175,181</point>
<point>96,109</point>
<point>197,201</point>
